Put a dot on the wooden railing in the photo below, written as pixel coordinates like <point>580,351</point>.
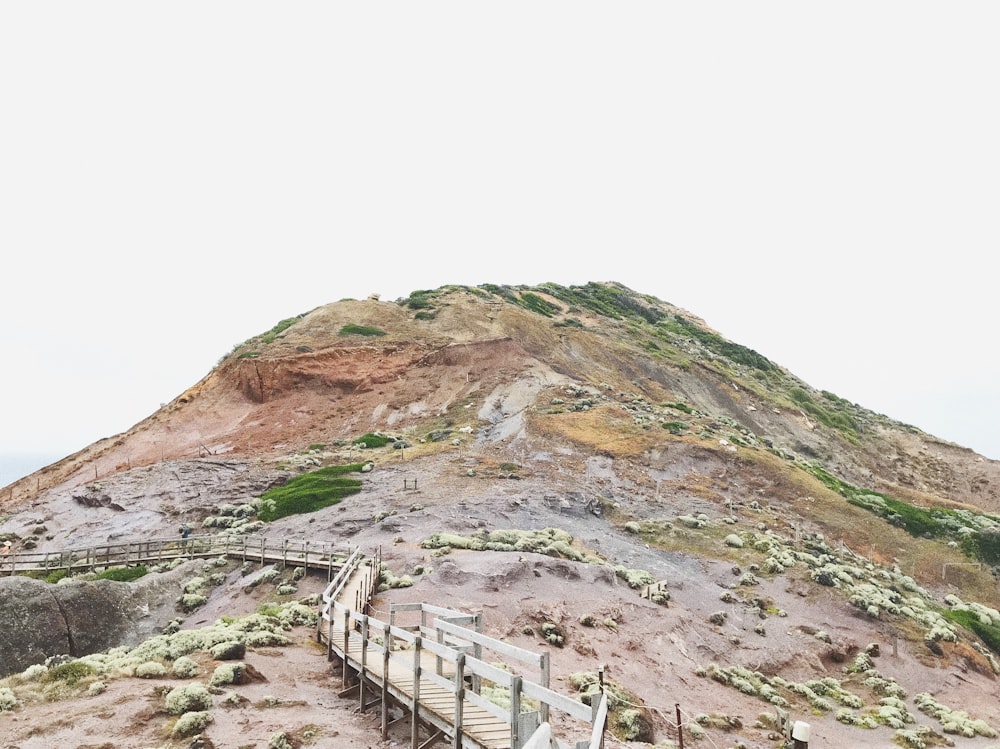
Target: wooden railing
<point>442,653</point>
<point>298,552</point>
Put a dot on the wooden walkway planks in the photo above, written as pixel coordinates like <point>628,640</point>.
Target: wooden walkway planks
<point>434,671</point>
<point>481,729</point>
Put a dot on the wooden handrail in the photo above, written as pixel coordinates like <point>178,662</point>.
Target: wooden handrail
<point>154,551</point>
<point>447,641</point>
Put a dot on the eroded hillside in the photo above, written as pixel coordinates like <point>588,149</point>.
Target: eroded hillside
<point>791,529</point>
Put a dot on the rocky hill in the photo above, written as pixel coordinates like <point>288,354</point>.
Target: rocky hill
<point>810,559</point>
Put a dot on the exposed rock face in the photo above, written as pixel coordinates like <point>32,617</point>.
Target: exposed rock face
<point>39,620</point>
<point>32,625</point>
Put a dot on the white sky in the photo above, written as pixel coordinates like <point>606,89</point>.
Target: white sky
<point>819,182</point>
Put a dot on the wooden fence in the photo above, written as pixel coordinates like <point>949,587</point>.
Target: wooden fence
<point>435,669</point>
<point>312,555</point>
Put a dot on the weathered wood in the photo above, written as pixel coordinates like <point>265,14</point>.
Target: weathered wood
<point>429,679</point>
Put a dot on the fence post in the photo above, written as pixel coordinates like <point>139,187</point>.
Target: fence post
<point>544,710</point>
<point>415,706</point>
<point>347,642</point>
<point>680,728</point>
<point>515,711</point>
<point>385,681</point>
<point>459,698</point>
<point>364,660</point>
<point>329,633</point>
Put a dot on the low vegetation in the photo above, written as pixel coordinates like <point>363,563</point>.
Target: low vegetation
<point>977,534</point>
<point>372,440</point>
<point>362,330</point>
<point>310,492</point>
<point>123,574</point>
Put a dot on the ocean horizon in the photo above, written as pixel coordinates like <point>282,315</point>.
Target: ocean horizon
<point>14,467</point>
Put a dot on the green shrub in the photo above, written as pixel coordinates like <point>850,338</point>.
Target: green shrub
<point>983,545</point>
<point>123,574</point>
<point>606,300</point>
<point>420,299</point>
<point>365,330</point>
<point>70,673</point>
<point>281,327</point>
<point>719,345</point>
<point>55,576</point>
<point>309,492</point>
<point>534,303</point>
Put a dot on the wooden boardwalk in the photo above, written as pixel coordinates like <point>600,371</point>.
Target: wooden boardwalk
<point>433,671</point>
<point>259,549</point>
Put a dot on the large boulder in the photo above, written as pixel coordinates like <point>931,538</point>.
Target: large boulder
<point>39,620</point>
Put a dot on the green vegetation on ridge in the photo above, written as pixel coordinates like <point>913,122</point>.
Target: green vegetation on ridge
<point>365,330</point>
<point>976,534</point>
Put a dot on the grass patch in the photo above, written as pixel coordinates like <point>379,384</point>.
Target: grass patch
<point>310,492</point>
<point>123,574</point>
<point>365,330</point>
<point>988,633</point>
<point>421,299</point>
<point>535,303</point>
<point>372,440</point>
<point>920,522</point>
<point>280,328</point>
<point>835,419</point>
<point>683,407</point>
<point>55,576</point>
<point>607,300</point>
<point>719,345</point>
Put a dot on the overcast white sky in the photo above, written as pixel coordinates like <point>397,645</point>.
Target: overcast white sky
<point>819,182</point>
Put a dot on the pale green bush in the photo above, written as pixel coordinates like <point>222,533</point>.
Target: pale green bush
<point>190,601</point>
<point>7,699</point>
<point>191,723</point>
<point>231,650</point>
<point>188,698</point>
<point>150,670</point>
<point>96,688</point>
<point>34,673</point>
<point>280,741</point>
<point>185,668</point>
<point>227,673</point>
